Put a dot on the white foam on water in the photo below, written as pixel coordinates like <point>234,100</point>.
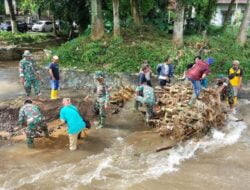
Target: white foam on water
<point>119,167</point>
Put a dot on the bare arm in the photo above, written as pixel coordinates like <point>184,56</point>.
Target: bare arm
<point>203,76</point>
<point>240,81</point>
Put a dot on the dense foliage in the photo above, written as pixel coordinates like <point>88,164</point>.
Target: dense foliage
<point>126,54</point>
<point>2,10</point>
<point>21,38</point>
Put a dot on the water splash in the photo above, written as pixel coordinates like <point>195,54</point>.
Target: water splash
<point>119,167</point>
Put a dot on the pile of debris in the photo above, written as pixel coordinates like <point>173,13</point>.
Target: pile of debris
<point>121,96</point>
<point>180,121</point>
<point>9,110</point>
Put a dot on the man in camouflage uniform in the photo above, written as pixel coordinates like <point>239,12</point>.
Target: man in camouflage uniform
<point>32,116</point>
<point>226,90</point>
<point>148,99</point>
<point>102,98</point>
<point>29,74</point>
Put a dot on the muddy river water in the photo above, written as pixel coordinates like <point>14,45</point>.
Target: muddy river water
<point>109,158</point>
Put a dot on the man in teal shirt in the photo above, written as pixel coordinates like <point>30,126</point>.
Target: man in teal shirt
<point>148,99</point>
<point>70,115</point>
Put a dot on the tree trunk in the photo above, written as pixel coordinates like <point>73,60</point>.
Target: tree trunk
<point>39,13</point>
<point>227,16</point>
<point>12,17</point>
<point>54,25</point>
<point>97,27</point>
<point>209,11</point>
<point>178,24</point>
<point>117,31</point>
<point>135,11</point>
<point>242,36</point>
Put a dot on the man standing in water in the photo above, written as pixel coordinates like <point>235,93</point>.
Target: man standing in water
<point>235,75</point>
<point>102,98</point>
<point>32,115</point>
<point>29,75</point>
<point>54,77</point>
<point>70,115</point>
<point>195,74</point>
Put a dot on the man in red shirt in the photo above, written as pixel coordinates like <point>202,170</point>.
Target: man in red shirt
<point>195,74</point>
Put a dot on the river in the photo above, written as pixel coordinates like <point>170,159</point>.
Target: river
<point>120,156</point>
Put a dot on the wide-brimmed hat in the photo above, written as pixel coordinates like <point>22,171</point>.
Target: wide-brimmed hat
<point>27,53</point>
<point>99,74</point>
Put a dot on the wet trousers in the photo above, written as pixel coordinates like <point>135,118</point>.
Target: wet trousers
<point>32,129</point>
<point>29,83</point>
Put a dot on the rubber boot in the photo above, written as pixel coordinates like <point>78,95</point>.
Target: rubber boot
<point>235,100</point>
<point>30,142</point>
<point>52,95</point>
<point>55,94</point>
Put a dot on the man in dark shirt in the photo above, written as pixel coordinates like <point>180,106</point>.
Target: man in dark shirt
<point>54,77</point>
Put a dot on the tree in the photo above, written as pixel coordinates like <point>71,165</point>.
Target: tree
<point>12,16</point>
<point>242,35</point>
<point>178,23</point>
<point>2,9</point>
<point>97,26</point>
<point>117,31</point>
<point>227,16</point>
<point>135,11</point>
<point>211,7</point>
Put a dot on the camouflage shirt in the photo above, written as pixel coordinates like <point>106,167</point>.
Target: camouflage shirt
<point>29,113</point>
<point>148,94</point>
<point>102,91</point>
<point>27,69</point>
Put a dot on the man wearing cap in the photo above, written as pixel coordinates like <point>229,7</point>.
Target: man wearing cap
<point>31,114</point>
<point>225,90</point>
<point>197,73</point>
<point>29,75</point>
<point>54,77</point>
<point>70,115</point>
<point>235,75</point>
<point>102,97</point>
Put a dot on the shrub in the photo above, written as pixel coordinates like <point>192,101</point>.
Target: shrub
<point>20,38</point>
<point>126,54</point>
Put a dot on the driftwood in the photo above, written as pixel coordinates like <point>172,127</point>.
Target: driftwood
<point>122,95</point>
<point>179,121</point>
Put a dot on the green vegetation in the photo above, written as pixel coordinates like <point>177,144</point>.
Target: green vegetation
<point>126,54</point>
<point>21,38</point>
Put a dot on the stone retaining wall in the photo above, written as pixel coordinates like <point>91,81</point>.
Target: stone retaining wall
<point>83,80</point>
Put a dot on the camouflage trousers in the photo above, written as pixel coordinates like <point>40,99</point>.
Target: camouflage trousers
<point>29,83</point>
<point>149,111</point>
<point>100,107</point>
<point>33,129</point>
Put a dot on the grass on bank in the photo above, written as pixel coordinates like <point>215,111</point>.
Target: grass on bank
<point>21,38</point>
<point>126,54</point>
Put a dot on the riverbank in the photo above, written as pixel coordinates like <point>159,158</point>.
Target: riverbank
<point>120,156</point>
<point>126,54</point>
